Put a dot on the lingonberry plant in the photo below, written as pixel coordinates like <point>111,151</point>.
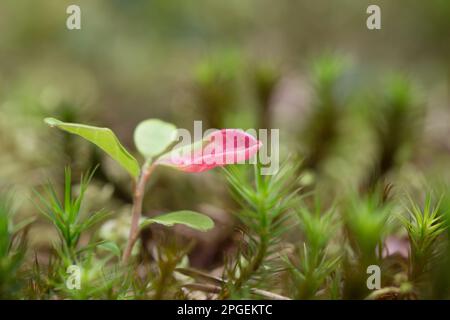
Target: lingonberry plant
<point>155,140</point>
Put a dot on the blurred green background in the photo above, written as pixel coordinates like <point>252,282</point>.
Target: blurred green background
<point>359,106</point>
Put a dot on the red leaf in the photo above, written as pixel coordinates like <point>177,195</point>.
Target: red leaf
<point>220,148</point>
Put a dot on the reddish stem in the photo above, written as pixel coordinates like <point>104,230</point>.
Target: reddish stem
<point>136,211</point>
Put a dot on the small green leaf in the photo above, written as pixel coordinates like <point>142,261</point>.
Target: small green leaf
<point>191,219</point>
<point>103,138</point>
<point>152,137</point>
<point>111,247</point>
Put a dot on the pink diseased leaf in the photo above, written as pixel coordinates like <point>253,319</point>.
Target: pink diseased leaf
<point>220,148</point>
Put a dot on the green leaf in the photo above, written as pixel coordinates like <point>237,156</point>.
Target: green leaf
<point>103,138</point>
<point>111,247</point>
<point>152,137</point>
<point>191,219</point>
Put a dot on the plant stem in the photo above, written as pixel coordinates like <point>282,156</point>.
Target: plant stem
<point>166,271</point>
<point>261,252</point>
<point>251,268</point>
<point>136,211</point>
<point>254,264</point>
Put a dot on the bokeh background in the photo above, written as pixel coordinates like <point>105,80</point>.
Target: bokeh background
<point>360,107</point>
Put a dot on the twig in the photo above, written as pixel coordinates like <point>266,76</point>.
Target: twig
<point>209,288</point>
<point>269,295</point>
